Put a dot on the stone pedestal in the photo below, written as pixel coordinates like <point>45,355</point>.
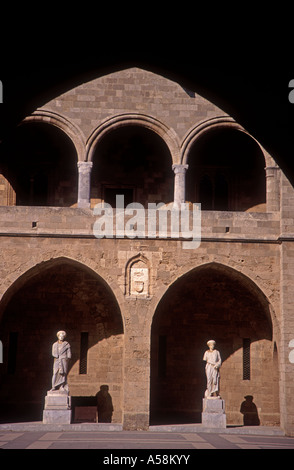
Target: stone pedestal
<point>57,408</point>
<point>213,415</point>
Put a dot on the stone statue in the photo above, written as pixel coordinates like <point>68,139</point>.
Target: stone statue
<point>213,363</point>
<point>62,353</point>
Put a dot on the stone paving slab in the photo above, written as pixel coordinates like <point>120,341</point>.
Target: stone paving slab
<point>254,430</point>
<point>113,427</point>
<point>130,442</point>
<point>78,427</point>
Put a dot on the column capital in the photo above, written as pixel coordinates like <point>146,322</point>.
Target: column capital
<point>85,167</point>
<point>180,168</point>
<point>271,169</point>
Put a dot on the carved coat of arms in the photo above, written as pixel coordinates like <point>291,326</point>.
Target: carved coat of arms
<point>139,281</point>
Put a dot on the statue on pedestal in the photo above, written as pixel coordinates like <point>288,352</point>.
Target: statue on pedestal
<point>62,353</point>
<point>213,363</point>
<point>213,415</point>
<point>57,409</point>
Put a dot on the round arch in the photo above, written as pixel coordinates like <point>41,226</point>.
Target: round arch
<point>132,156</point>
<point>220,122</point>
<point>225,163</point>
<point>40,160</point>
<point>166,133</point>
<point>213,301</point>
<point>70,129</point>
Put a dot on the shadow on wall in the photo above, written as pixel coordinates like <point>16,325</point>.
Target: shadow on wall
<point>98,408</point>
<point>104,405</point>
<point>249,412</point>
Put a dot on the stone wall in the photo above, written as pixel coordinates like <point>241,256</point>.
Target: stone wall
<point>58,245</point>
<point>148,304</point>
<point>129,91</point>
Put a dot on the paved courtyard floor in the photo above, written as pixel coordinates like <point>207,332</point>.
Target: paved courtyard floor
<point>177,441</point>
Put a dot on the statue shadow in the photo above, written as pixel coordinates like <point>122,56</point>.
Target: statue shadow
<point>104,405</point>
<point>95,408</point>
<point>249,412</point>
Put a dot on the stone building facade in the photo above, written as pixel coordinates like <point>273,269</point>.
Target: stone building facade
<point>139,310</point>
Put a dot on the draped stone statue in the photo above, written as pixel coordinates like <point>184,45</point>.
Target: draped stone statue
<point>62,353</point>
<point>213,362</point>
<point>57,409</point>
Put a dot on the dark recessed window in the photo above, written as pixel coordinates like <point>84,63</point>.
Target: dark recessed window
<point>84,353</point>
<point>246,358</point>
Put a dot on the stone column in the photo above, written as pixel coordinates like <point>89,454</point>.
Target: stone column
<point>136,369</point>
<point>180,185</point>
<point>84,169</point>
<point>272,188</point>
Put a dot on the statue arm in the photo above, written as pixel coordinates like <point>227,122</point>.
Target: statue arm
<point>54,351</point>
<point>218,361</point>
<point>69,352</point>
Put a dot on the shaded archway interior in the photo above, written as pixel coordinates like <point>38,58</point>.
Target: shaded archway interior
<point>222,79</point>
<point>39,162</point>
<point>226,172</point>
<point>64,296</point>
<point>211,302</point>
<point>133,161</point>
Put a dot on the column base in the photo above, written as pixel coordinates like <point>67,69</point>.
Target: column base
<point>84,204</point>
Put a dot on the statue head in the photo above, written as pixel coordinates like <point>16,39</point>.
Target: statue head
<point>211,344</point>
<point>61,335</point>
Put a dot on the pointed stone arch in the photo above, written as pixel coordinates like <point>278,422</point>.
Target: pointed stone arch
<point>62,293</point>
<point>212,301</point>
<point>34,269</point>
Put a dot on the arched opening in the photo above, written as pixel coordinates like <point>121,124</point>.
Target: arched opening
<point>212,302</point>
<point>59,295</point>
<point>40,163</point>
<point>226,172</point>
<point>132,161</point>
